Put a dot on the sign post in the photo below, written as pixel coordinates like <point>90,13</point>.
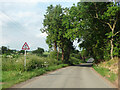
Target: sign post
<point>25,59</point>
<point>25,47</point>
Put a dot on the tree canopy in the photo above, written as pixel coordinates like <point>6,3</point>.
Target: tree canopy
<point>95,25</point>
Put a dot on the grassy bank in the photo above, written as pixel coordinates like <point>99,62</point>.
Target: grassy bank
<point>13,77</point>
<point>13,70</point>
<point>108,69</point>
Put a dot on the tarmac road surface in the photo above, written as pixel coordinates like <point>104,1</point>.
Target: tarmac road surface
<point>81,76</point>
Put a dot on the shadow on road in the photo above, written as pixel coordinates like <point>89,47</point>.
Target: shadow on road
<point>85,65</point>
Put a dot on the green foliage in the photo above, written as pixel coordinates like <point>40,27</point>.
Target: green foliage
<point>94,28</point>
<point>102,71</point>
<point>39,51</point>
<point>78,56</point>
<point>93,24</point>
<point>106,73</point>
<point>116,49</point>
<point>54,27</point>
<point>9,64</point>
<point>53,55</point>
<point>75,59</point>
<point>4,49</point>
<point>33,62</point>
<point>46,54</point>
<point>106,52</point>
<point>84,53</point>
<point>7,51</point>
<point>23,76</point>
<point>113,77</point>
<point>36,65</point>
<point>21,52</point>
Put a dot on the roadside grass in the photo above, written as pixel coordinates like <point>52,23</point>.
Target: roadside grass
<point>0,78</point>
<point>106,73</point>
<point>13,70</point>
<point>13,77</point>
<point>108,69</point>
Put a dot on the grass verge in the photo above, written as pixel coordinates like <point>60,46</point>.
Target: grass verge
<point>105,72</point>
<point>9,78</point>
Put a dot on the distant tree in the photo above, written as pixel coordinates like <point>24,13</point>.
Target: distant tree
<point>4,49</point>
<point>21,51</point>
<point>0,50</point>
<point>39,51</point>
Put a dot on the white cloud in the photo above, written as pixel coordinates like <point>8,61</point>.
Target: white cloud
<point>36,1</point>
<point>4,41</point>
<point>22,22</point>
<point>32,21</point>
<point>41,35</point>
<point>27,14</point>
<point>4,18</point>
<point>24,14</point>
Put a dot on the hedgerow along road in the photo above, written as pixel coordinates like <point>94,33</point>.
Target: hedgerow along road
<point>81,76</point>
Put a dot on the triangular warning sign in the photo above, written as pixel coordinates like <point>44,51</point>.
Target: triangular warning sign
<point>25,46</point>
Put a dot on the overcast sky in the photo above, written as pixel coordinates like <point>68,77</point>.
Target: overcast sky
<point>21,20</point>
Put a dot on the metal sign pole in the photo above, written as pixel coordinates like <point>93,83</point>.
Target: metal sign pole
<point>25,47</point>
<point>25,59</point>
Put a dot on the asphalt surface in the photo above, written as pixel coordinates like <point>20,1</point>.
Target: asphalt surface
<point>70,77</point>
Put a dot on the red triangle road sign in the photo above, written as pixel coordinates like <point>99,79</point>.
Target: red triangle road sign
<point>25,46</point>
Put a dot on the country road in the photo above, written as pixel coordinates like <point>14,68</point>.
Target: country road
<point>70,77</point>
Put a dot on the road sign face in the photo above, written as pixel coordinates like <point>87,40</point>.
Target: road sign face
<point>25,46</point>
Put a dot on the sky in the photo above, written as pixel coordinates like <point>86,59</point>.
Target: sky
<point>21,21</point>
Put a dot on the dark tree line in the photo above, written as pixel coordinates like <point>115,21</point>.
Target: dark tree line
<point>5,50</point>
<point>38,51</point>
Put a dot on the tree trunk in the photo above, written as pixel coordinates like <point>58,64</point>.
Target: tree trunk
<point>111,42</point>
<point>55,46</point>
<point>68,53</point>
<point>62,54</point>
<point>112,48</point>
<point>58,53</point>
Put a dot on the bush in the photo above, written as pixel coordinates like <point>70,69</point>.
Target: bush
<point>39,51</point>
<point>9,64</point>
<point>33,62</point>
<point>74,61</point>
<point>53,55</point>
<point>78,56</point>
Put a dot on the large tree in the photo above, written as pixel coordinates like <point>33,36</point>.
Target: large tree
<point>94,21</point>
<point>53,26</point>
<point>110,17</point>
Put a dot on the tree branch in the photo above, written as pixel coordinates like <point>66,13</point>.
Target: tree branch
<point>114,24</point>
<point>96,10</point>
<point>109,25</point>
<point>116,33</point>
